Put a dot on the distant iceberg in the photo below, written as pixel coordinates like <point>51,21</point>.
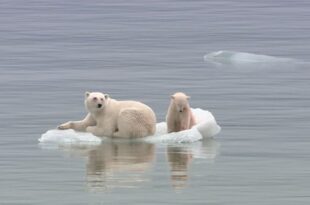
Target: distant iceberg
<point>207,127</point>
<point>234,57</point>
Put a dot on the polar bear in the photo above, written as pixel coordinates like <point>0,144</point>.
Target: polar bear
<point>112,118</point>
<point>179,116</point>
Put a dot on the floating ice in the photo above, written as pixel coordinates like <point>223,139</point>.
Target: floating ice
<point>234,57</point>
<point>206,127</point>
<point>68,137</point>
<point>185,136</point>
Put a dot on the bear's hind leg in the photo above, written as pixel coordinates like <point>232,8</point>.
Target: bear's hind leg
<point>132,124</point>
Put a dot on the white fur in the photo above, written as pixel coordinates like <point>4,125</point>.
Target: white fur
<point>112,118</point>
<point>179,115</point>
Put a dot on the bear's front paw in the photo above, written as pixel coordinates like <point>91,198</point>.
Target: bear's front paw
<point>64,126</point>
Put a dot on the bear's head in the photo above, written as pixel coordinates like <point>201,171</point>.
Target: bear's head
<point>95,101</point>
<point>180,101</point>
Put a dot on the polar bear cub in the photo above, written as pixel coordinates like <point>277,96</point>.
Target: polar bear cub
<point>113,118</point>
<point>179,116</point>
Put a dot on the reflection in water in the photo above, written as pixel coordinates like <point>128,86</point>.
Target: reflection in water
<point>118,164</point>
<point>180,157</point>
<point>123,164</point>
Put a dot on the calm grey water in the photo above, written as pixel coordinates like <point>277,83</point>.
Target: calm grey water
<point>51,52</point>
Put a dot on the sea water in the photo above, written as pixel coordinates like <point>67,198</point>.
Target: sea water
<point>52,52</point>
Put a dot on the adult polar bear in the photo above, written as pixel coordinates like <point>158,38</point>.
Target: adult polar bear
<point>112,118</point>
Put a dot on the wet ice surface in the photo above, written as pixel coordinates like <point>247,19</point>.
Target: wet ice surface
<point>53,51</point>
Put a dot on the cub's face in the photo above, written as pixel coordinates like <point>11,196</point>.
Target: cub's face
<point>180,101</point>
<point>181,104</point>
<point>95,101</point>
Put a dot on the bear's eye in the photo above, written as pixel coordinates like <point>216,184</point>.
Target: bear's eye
<point>95,98</point>
<point>101,99</point>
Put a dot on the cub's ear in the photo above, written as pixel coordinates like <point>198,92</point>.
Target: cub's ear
<point>87,94</point>
<point>172,97</point>
<point>106,96</point>
<point>188,97</point>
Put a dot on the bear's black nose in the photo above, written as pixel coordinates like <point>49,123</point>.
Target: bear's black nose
<point>99,105</point>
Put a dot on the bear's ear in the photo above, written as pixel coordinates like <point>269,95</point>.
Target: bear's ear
<point>172,97</point>
<point>87,94</point>
<point>188,97</point>
<point>106,96</point>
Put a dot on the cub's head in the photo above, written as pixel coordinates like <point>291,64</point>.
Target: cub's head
<point>180,101</point>
<point>95,101</point>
